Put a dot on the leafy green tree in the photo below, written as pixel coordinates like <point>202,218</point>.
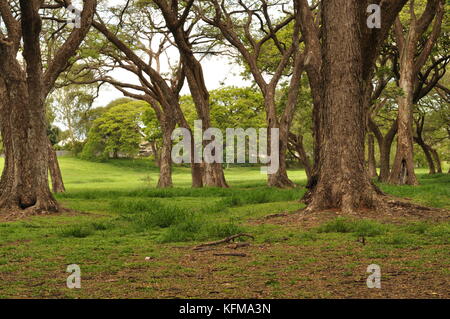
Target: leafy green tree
<point>118,131</point>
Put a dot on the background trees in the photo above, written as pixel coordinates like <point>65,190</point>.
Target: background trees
<point>117,132</point>
<point>252,29</point>
<point>411,61</point>
<point>389,81</point>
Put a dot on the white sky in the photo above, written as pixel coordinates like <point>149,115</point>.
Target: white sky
<point>218,72</point>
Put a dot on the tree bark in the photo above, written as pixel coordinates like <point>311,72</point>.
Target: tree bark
<point>165,162</point>
<point>413,57</point>
<point>342,178</point>
<point>428,156</point>
<point>403,167</point>
<point>279,179</point>
<point>437,160</point>
<point>55,171</point>
<point>384,144</point>
<point>296,144</point>
<point>371,162</point>
<point>25,187</point>
<point>25,86</point>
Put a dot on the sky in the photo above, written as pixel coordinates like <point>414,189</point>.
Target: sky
<point>218,72</point>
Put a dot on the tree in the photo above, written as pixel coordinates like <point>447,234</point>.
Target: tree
<point>70,104</point>
<point>412,59</point>
<point>231,107</point>
<point>237,25</point>
<point>180,23</point>
<point>24,88</point>
<point>117,131</point>
<point>159,90</point>
<point>349,51</point>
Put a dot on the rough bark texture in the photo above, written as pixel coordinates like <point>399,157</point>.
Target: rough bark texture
<point>24,184</point>
<point>25,177</point>
<point>371,162</point>
<point>342,179</point>
<point>55,171</point>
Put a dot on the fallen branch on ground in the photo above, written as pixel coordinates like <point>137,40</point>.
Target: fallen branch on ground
<point>231,254</point>
<point>223,241</point>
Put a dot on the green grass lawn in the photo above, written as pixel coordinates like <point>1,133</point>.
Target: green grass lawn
<point>122,218</point>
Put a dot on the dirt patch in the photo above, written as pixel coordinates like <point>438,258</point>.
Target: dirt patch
<point>396,211</point>
<point>23,216</point>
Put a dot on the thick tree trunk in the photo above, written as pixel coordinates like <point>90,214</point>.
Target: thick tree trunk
<point>342,179</point>
<point>214,175</point>
<point>55,171</point>
<point>197,175</point>
<point>372,165</point>
<point>25,188</point>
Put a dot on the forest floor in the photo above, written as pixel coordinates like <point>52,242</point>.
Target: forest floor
<point>134,241</point>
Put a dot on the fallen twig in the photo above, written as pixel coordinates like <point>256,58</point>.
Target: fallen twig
<point>226,240</point>
<point>231,254</point>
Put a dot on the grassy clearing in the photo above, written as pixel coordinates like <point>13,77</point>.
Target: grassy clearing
<point>126,219</point>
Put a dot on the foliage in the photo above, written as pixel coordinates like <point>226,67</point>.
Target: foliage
<point>118,131</point>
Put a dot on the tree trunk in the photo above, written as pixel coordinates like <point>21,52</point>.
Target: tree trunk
<point>426,151</point>
<point>385,160</point>
<point>297,145</point>
<point>55,171</point>
<point>279,179</point>
<point>156,154</point>
<point>436,158</point>
<point>165,159</point>
<point>213,175</point>
<point>372,165</point>
<point>403,167</point>
<point>25,188</point>
<point>384,144</point>
<point>342,178</point>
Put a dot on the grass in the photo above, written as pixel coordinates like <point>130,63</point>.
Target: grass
<point>125,219</point>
